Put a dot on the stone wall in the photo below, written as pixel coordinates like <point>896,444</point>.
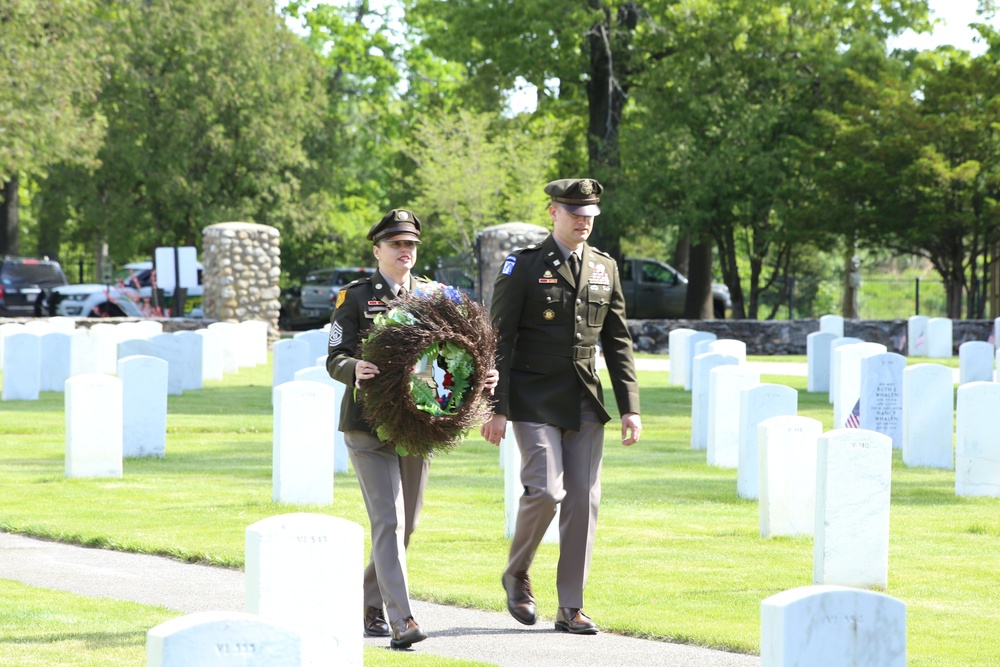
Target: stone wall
<point>777,337</point>
<point>495,243</point>
<point>242,263</point>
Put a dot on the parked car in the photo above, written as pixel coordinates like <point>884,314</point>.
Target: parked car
<point>25,283</point>
<point>656,290</point>
<point>311,304</point>
<point>128,296</point>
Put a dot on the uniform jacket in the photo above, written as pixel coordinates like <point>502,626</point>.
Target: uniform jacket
<point>365,298</point>
<point>548,326</point>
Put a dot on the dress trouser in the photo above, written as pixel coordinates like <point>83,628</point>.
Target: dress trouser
<point>413,477</point>
<point>559,466</point>
<point>378,469</point>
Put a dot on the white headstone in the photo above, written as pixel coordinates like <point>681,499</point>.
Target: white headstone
<point>847,371</point>
<point>105,341</point>
<point>144,405</point>
<point>148,328</point>
<point>66,325</point>
<point>229,334</point>
<point>677,342</point>
<point>290,355</point>
<point>939,338</point>
<point>171,349</point>
<point>212,361</point>
<point>724,386</point>
<point>975,362</point>
<point>222,639</point>
<point>55,352</point>
<point>787,459</point>
<point>514,489</point>
<point>758,403</point>
<point>702,366</point>
<point>305,570</point>
<point>730,348</point>
<point>82,353</point>
<point>319,374</point>
<point>832,324</point>
<point>22,367</point>
<point>928,416</point>
<point>996,332</point>
<point>9,329</point>
<point>191,375</point>
<point>977,440</point>
<point>834,344</point>
<point>851,534</point>
<point>832,626</point>
<point>134,347</point>
<point>882,395</point>
<point>916,336</point>
<point>93,426</point>
<point>317,339</point>
<point>255,332</point>
<point>38,327</point>
<point>691,345</point>
<point>818,360</point>
<point>302,467</point>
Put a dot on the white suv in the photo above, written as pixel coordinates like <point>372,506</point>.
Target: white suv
<point>129,296</point>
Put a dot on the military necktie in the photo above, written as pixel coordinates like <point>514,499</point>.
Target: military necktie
<point>574,265</point>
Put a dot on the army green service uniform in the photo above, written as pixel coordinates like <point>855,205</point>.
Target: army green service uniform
<point>392,485</point>
<point>549,324</point>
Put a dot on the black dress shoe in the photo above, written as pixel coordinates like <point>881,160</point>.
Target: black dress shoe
<point>405,632</point>
<point>375,624</point>
<point>520,601</point>
<point>575,622</point>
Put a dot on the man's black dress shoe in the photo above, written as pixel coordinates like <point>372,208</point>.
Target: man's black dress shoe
<point>520,601</point>
<point>375,624</point>
<point>575,622</point>
<point>405,632</point>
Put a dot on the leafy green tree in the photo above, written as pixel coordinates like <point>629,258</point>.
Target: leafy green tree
<point>915,159</point>
<point>51,57</point>
<point>208,107</point>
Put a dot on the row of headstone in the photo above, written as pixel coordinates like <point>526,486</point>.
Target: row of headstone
<point>35,359</point>
<point>303,591</point>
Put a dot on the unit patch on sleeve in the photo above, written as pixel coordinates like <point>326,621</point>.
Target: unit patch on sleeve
<point>508,265</point>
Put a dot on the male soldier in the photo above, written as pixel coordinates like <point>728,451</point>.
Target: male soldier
<point>552,303</point>
<point>392,485</point>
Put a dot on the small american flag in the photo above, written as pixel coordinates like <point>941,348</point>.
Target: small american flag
<point>919,343</point>
<point>854,419</point>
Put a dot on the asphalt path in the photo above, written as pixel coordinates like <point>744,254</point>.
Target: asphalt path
<point>490,637</point>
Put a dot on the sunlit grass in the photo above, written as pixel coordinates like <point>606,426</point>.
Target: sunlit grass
<point>678,555</point>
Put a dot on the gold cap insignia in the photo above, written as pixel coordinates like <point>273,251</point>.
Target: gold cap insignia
<point>549,314</point>
<point>586,187</point>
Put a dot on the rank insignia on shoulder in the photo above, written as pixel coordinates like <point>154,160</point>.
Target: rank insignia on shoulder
<point>341,297</point>
<point>508,265</point>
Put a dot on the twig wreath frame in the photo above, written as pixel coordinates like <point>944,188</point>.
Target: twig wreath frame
<point>434,322</point>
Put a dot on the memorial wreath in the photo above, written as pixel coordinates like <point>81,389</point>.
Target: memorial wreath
<point>433,348</point>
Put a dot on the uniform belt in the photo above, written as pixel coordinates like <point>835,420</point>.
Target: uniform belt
<point>574,352</point>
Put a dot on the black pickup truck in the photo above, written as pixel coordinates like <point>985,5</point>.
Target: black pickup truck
<point>655,290</point>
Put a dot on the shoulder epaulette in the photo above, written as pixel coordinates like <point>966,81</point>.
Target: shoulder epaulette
<point>357,281</point>
<point>601,252</point>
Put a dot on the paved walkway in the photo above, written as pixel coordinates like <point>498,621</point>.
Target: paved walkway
<point>489,637</point>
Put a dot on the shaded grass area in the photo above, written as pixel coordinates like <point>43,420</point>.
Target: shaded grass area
<point>678,554</point>
<point>54,628</point>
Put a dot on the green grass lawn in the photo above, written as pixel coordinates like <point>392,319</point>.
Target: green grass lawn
<point>678,555</point>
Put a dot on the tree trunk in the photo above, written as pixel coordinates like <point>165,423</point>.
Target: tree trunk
<point>682,251</point>
<point>698,304</point>
<point>852,280</point>
<point>9,218</point>
<point>607,93</point>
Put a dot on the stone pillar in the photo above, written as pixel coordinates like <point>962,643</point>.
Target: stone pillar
<point>242,266</point>
<point>495,243</point>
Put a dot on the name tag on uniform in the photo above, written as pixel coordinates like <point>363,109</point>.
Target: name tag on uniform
<point>548,281</point>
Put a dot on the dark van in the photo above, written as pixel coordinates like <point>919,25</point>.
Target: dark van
<point>24,284</point>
